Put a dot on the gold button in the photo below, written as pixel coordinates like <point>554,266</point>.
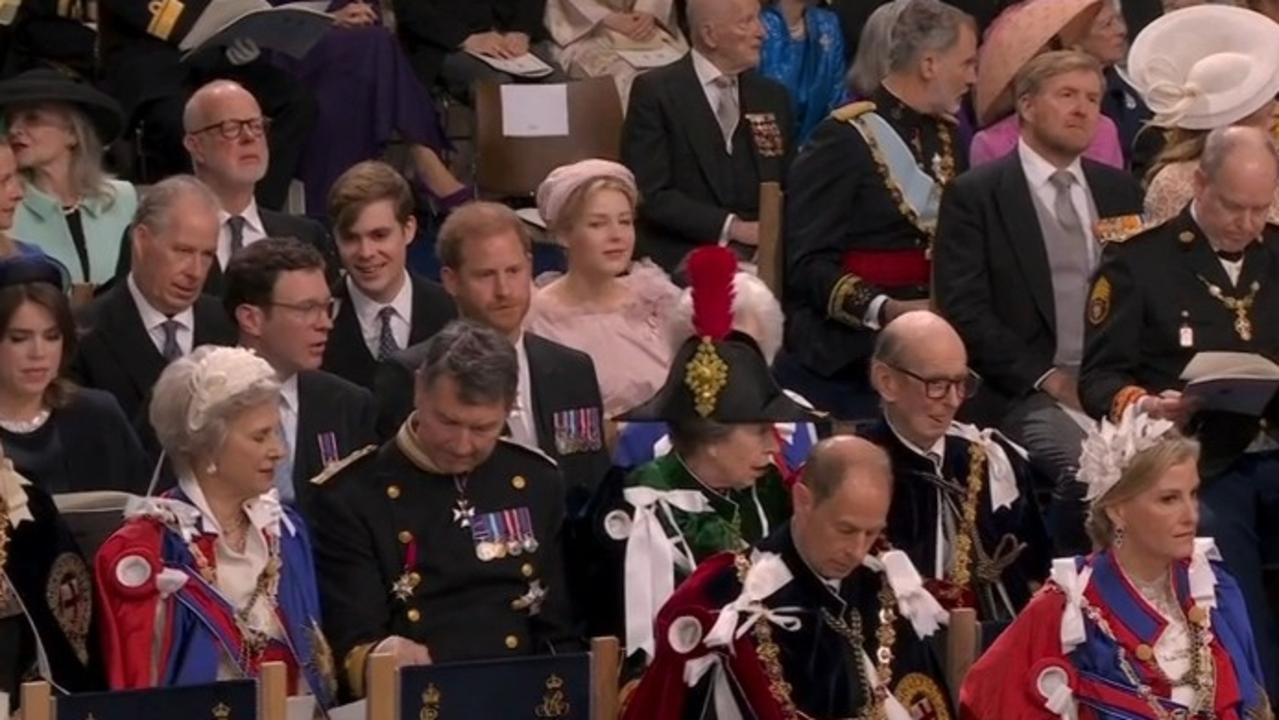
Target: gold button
<point>512,642</point>
<point>415,579</point>
<point>526,570</point>
<point>1145,653</point>
<point>414,615</point>
<point>405,537</point>
<point>518,482</point>
<point>393,491</point>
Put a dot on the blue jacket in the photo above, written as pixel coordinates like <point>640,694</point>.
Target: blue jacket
<point>812,69</point>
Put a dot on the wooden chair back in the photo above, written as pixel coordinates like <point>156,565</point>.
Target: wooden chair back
<point>768,257</point>
<point>963,644</point>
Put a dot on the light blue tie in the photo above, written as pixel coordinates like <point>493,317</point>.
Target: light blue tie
<point>284,468</point>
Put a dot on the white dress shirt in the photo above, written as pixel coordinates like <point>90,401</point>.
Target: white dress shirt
<point>367,309</point>
<point>1232,267</point>
<point>289,414</point>
<point>153,320</point>
<point>522,420</point>
<point>253,231</point>
<point>1038,173</point>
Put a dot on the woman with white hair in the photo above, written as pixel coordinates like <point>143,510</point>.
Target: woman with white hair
<point>215,577</point>
<point>1148,626</point>
<point>71,208</point>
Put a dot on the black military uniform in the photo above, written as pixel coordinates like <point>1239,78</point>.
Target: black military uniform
<point>849,239</point>
<point>1157,300</point>
<point>469,566</point>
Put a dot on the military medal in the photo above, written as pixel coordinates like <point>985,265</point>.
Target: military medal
<point>484,536</point>
<point>329,452</point>
<point>402,588</point>
<point>1239,306</point>
<point>531,600</point>
<point>510,527</point>
<point>578,430</point>
<point>527,537</point>
<point>463,512</point>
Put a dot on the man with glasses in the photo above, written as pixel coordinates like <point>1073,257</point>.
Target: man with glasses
<point>277,295</point>
<point>963,506</point>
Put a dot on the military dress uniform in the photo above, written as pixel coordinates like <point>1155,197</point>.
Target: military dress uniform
<point>471,566</point>
<point>853,233</point>
<point>1157,300</point>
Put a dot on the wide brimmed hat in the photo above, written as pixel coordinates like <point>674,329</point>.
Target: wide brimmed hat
<point>37,86</point>
<point>718,374</point>
<point>1206,66</point>
<point>1020,33</point>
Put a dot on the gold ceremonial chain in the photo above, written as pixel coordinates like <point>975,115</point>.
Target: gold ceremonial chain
<point>960,575</point>
<point>253,642</point>
<point>1239,306</point>
<point>885,636</point>
<point>4,532</point>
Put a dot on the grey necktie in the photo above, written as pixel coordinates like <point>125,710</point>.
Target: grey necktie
<point>386,344</point>
<point>727,109</point>
<point>235,224</point>
<point>1063,208</point>
<point>284,468</point>
<point>171,350</point>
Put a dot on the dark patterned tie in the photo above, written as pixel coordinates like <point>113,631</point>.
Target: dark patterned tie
<point>235,224</point>
<point>386,345</point>
<point>171,350</point>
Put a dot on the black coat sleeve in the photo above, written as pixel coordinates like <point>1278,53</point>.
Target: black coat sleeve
<point>649,134</point>
<point>431,21</point>
<point>553,628</point>
<point>393,386</point>
<point>1112,331</point>
<point>962,288</point>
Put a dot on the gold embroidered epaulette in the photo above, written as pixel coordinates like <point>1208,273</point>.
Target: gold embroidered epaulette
<point>853,110</point>
<point>1119,228</point>
<point>536,451</point>
<point>338,466</point>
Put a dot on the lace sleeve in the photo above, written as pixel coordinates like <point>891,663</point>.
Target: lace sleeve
<point>1168,193</point>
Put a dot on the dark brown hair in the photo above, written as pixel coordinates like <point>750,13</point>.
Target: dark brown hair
<point>252,273</point>
<point>56,304</point>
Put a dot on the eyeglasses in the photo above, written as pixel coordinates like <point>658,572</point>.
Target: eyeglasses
<point>311,311</point>
<point>233,129</point>
<point>939,388</point>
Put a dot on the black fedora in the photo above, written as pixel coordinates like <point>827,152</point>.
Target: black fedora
<point>43,85</point>
<point>718,374</point>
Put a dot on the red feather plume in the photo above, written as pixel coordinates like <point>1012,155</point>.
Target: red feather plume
<point>710,275</point>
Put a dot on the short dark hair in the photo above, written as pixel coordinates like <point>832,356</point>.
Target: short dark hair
<point>251,275</point>
<point>53,301</point>
<point>480,360</point>
<point>692,434</point>
<point>833,461</point>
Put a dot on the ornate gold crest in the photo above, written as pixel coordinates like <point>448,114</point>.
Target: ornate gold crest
<point>430,703</point>
<point>922,697</point>
<point>706,375</point>
<point>221,712</point>
<point>1099,301</point>
<point>554,704</point>
<point>69,595</point>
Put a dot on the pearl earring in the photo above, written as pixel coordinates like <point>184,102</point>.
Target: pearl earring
<point>211,469</point>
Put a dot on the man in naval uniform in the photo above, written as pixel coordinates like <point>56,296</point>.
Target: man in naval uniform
<point>963,502</point>
<point>444,543</point>
<point>1205,281</point>
<point>808,624</point>
<point>862,201</point>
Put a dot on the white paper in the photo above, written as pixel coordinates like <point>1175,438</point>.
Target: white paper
<point>301,707</point>
<point>1218,365</point>
<point>654,58</point>
<point>354,711</point>
<point>531,216</point>
<point>527,65</point>
<point>535,110</point>
<point>4,706</point>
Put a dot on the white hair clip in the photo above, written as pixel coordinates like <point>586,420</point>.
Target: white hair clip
<point>1110,447</point>
<point>219,375</point>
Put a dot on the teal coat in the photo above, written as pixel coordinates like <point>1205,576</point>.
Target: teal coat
<point>39,221</point>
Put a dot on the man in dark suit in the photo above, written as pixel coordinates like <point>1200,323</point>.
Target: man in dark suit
<point>144,69</point>
<point>279,299</point>
<point>862,205</point>
<point>1017,242</point>
<point>487,258</point>
<point>441,37</point>
<point>382,307</point>
<point>226,139</point>
<point>157,314</point>
<point>702,133</point>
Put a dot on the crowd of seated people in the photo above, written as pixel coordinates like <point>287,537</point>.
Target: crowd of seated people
<point>1018,244</point>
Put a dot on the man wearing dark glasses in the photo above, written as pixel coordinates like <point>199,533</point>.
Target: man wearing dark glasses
<point>963,506</point>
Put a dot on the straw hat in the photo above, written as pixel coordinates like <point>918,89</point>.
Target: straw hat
<point>1206,66</point>
<point>1016,36</point>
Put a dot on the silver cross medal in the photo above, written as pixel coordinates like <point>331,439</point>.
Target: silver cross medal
<point>462,513</point>
<point>402,588</point>
<point>531,600</point>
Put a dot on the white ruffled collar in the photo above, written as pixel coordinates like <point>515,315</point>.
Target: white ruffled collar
<point>195,518</point>
<point>13,490</point>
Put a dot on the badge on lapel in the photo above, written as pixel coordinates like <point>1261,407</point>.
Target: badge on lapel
<point>577,431</point>
<point>766,134</point>
<point>329,452</point>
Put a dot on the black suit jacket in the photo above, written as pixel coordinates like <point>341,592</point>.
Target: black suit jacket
<point>430,29</point>
<point>563,379</point>
<point>688,184</point>
<point>346,354</point>
<point>991,277</point>
<point>276,225</point>
<point>330,409</point>
<point>117,355</point>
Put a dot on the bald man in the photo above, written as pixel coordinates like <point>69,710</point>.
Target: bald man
<point>226,138</point>
<point>815,574</point>
<point>947,471</point>
<point>1207,280</point>
<point>702,133</point>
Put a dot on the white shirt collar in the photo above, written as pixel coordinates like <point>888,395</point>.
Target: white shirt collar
<point>252,219</point>
<point>366,308</point>
<point>706,70</point>
<point>289,392</point>
<point>938,448</point>
<point>153,318</point>
<point>264,511</point>
<point>1038,170</point>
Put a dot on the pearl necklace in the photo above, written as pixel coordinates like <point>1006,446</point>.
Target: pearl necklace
<point>22,427</point>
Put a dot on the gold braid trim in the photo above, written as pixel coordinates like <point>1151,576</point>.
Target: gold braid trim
<point>4,532</point>
<point>1125,397</point>
<point>354,664</point>
<point>886,634</point>
<point>848,300</point>
<point>961,573</point>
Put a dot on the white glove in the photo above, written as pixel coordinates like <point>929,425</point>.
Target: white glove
<point>243,52</point>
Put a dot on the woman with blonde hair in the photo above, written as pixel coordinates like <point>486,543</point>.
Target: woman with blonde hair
<point>75,212</point>
<point>1148,626</point>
